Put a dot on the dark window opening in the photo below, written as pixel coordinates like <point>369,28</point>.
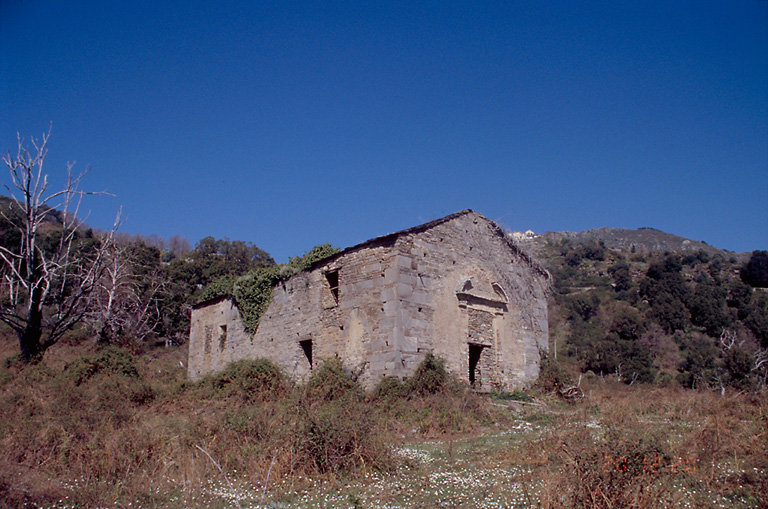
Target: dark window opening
<point>333,284</point>
<point>306,347</point>
<point>474,358</point>
<point>222,336</point>
<point>208,337</point>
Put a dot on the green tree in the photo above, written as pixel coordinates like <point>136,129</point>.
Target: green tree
<point>622,279</point>
<point>756,318</point>
<point>708,308</point>
<point>755,272</point>
<point>582,305</point>
<point>699,364</point>
<point>667,293</point>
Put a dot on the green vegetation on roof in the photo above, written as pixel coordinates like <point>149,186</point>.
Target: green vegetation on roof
<point>252,291</point>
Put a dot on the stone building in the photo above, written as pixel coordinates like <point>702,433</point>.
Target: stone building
<point>457,287</point>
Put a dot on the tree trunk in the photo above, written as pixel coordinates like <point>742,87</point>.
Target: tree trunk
<point>29,337</point>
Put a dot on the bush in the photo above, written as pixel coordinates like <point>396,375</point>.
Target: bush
<point>109,360</point>
<point>552,375</point>
<point>330,381</point>
<point>622,277</point>
<point>515,395</point>
<point>390,388</point>
<point>258,379</point>
<point>431,402</point>
<point>622,469</point>
<point>430,376</point>
<point>583,305</point>
<point>338,435</point>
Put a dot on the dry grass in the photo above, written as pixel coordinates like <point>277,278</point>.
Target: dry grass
<point>105,428</point>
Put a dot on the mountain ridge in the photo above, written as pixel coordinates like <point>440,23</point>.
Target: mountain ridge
<point>641,240</point>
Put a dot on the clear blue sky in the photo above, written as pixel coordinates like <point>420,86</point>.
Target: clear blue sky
<point>290,124</point>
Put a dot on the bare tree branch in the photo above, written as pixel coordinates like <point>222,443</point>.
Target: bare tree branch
<point>45,288</point>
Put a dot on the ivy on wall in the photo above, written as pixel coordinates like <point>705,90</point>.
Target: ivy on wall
<point>252,292</point>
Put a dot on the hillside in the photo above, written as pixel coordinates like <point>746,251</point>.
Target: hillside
<point>655,308</point>
<point>641,240</point>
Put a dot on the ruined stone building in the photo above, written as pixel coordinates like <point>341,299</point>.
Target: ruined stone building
<point>456,287</point>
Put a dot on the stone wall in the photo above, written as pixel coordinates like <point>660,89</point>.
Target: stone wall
<point>455,287</point>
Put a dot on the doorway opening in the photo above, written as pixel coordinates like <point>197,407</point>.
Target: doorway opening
<point>475,373</point>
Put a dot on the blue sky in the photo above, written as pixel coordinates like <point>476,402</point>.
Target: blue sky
<point>289,124</point>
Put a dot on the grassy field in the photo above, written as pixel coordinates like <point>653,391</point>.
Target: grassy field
<point>92,427</point>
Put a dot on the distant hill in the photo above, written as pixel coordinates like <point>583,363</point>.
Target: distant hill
<point>641,240</point>
<point>53,221</point>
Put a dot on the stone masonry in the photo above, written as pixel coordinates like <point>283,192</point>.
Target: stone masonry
<point>455,286</point>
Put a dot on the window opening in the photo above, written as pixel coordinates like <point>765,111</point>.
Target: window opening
<point>333,284</point>
<point>222,336</point>
<point>306,347</point>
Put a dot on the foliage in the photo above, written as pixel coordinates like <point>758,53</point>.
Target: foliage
<point>622,278</point>
<point>250,380</point>
<point>330,381</point>
<point>583,305</point>
<point>214,258</point>
<point>337,435</point>
<point>430,376</point>
<point>109,360</point>
<point>699,364</point>
<point>667,293</point>
<point>253,291</point>
<point>214,262</point>
<point>612,470</point>
<point>739,298</point>
<point>552,375</point>
<point>317,253</point>
<point>219,287</point>
<point>390,388</point>
<point>708,308</point>
<point>756,318</point>
<point>755,272</point>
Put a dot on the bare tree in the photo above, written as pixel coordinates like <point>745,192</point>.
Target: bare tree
<point>178,245</point>
<point>47,280</point>
<point>728,339</point>
<point>126,304</point>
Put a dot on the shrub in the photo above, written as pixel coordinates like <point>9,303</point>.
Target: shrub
<point>552,375</point>
<point>258,379</point>
<point>390,388</point>
<point>339,435</point>
<point>430,376</point>
<point>109,360</point>
<point>583,305</point>
<point>515,395</point>
<point>330,381</point>
<point>622,277</point>
<point>622,469</point>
